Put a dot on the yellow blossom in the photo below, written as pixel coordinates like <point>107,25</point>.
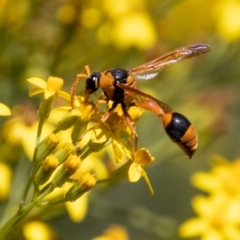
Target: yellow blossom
<point>37,230</point>
<point>125,7</point>
<point>218,219</point>
<point>4,110</point>
<point>48,165</point>
<point>129,26</point>
<point>81,186</point>
<point>120,131</point>
<point>228,25</point>
<point>50,87</point>
<point>134,30</point>
<point>132,169</point>
<point>77,210</point>
<point>68,168</point>
<point>18,132</point>
<point>136,170</point>
<point>5,181</point>
<point>113,233</point>
<point>90,17</point>
<point>66,13</point>
<point>222,179</point>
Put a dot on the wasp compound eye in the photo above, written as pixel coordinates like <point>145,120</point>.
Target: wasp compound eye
<point>93,82</point>
<point>181,131</point>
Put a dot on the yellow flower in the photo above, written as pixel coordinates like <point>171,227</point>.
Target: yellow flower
<point>124,7</point>
<point>121,134</point>
<point>50,87</point>
<point>77,210</point>
<point>90,17</point>
<point>37,230</point>
<point>142,159</point>
<point>129,25</point>
<point>222,179</point>
<point>66,14</point>
<point>135,30</point>
<point>113,233</point>
<point>132,169</point>
<point>21,130</point>
<point>228,25</point>
<point>86,182</point>
<point>68,168</point>
<point>5,181</point>
<point>218,219</point>
<point>4,110</point>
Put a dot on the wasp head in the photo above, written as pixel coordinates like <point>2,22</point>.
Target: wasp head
<point>93,82</point>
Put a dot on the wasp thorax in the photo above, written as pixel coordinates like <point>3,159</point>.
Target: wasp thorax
<point>93,82</point>
<point>119,75</point>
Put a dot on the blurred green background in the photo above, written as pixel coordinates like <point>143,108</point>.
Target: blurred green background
<point>58,38</point>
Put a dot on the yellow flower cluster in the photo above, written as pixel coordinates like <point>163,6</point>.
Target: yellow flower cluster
<point>123,23</point>
<point>219,212</point>
<point>67,158</point>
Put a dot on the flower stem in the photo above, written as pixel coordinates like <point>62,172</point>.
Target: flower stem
<point>33,171</point>
<point>12,222</point>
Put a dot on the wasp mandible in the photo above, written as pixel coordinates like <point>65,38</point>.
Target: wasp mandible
<point>119,86</point>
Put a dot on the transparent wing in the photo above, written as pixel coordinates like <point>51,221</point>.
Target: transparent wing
<point>150,69</point>
<point>140,96</point>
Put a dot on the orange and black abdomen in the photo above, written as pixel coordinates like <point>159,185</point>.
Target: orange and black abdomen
<point>181,131</point>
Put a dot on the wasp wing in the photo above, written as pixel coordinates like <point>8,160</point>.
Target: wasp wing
<point>150,69</point>
<point>140,97</point>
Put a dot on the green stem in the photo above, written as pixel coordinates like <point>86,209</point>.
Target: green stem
<point>34,169</point>
<point>22,212</point>
<point>12,222</point>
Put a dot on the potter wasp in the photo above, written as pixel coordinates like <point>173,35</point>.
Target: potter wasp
<point>119,86</point>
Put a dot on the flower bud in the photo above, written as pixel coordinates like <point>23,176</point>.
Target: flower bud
<point>84,184</point>
<point>46,146</point>
<point>48,165</point>
<point>79,127</point>
<point>66,122</point>
<point>64,151</point>
<point>68,168</point>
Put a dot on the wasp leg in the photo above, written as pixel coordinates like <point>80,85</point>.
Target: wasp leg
<point>105,116</point>
<point>75,84</point>
<point>129,123</point>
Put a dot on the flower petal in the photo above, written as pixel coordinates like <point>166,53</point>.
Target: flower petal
<point>5,183</point>
<point>4,110</point>
<point>203,206</point>
<point>64,95</point>
<point>54,84</point>
<point>38,82</point>
<point>143,157</point>
<point>48,94</point>
<point>34,91</point>
<point>37,230</point>
<point>134,173</point>
<point>208,182</point>
<point>192,227</point>
<point>77,210</point>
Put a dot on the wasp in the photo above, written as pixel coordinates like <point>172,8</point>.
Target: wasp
<point>119,86</point>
